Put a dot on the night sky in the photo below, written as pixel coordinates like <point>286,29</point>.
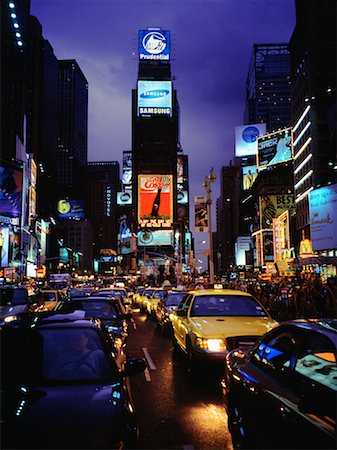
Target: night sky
<point>212,42</point>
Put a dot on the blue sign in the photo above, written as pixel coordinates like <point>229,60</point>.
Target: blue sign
<point>70,209</point>
<point>154,45</point>
<point>11,180</point>
<point>154,98</point>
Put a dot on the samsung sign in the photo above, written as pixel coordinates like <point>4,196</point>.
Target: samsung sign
<point>154,98</point>
<point>154,45</point>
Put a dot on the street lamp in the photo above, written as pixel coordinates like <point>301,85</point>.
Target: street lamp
<point>209,179</point>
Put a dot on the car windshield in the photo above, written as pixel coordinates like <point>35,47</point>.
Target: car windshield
<point>148,292</point>
<point>113,293</point>
<point>160,294</point>
<point>13,297</point>
<point>101,310</point>
<point>74,354</point>
<point>226,305</point>
<point>174,299</point>
<point>46,296</point>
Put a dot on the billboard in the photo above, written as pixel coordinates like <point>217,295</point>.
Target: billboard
<point>154,98</point>
<point>281,236</point>
<point>124,198</point>
<point>246,138</point>
<point>274,148</point>
<point>11,182</point>
<point>323,217</point>
<point>154,44</point>
<point>4,245</point>
<point>271,206</point>
<point>249,175</point>
<point>155,201</point>
<point>148,237</point>
<point>182,197</point>
<point>127,169</point>
<point>70,209</point>
<point>200,213</point>
<point>243,244</point>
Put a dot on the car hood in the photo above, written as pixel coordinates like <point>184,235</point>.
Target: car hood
<point>86,416</point>
<point>223,327</point>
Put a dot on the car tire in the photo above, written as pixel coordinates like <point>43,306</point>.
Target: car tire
<point>237,426</point>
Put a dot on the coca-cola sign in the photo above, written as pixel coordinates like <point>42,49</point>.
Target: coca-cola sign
<point>155,201</point>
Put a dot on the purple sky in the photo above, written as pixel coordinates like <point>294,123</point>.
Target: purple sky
<point>212,43</point>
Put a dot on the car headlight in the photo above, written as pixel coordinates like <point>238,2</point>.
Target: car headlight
<point>8,319</point>
<point>213,345</point>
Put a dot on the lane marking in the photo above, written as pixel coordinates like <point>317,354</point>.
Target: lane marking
<point>149,359</point>
<point>134,324</point>
<point>147,374</point>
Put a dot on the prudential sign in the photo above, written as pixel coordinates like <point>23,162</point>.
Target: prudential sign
<point>154,44</point>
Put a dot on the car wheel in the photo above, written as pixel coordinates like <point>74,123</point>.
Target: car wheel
<point>237,426</point>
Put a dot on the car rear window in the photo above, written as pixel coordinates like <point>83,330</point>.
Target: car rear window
<point>13,297</point>
<point>226,305</point>
<point>101,310</point>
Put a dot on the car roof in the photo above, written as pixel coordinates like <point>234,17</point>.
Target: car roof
<point>323,325</point>
<point>219,292</point>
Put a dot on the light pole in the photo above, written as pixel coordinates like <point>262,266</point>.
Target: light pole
<point>209,179</point>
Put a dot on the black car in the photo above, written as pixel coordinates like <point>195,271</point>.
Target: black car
<point>283,392</point>
<point>15,300</point>
<point>107,309</point>
<point>61,387</point>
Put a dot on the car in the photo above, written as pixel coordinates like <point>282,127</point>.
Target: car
<point>49,298</point>
<point>116,292</point>
<point>61,386</point>
<point>283,392</point>
<point>139,290</point>
<point>165,308</point>
<point>15,300</point>
<point>109,310</point>
<point>143,299</point>
<point>209,323</point>
<point>126,309</point>
<point>151,304</point>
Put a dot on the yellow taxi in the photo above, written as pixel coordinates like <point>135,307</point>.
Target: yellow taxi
<point>210,322</point>
<point>49,298</point>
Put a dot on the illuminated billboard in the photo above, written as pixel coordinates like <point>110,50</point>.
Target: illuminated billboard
<point>155,201</point>
<point>154,44</point>
<point>4,245</point>
<point>154,98</point>
<point>242,244</point>
<point>200,213</point>
<point>70,209</point>
<point>274,148</point>
<point>246,138</point>
<point>127,169</point>
<point>11,181</point>
<point>182,197</point>
<point>148,237</point>
<point>271,206</point>
<point>124,198</point>
<point>249,175</point>
<point>323,217</point>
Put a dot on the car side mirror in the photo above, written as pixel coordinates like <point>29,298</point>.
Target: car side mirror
<point>181,312</point>
<point>134,366</point>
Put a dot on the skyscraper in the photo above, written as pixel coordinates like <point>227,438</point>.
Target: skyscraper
<point>313,73</point>
<point>268,87</point>
<point>72,128</point>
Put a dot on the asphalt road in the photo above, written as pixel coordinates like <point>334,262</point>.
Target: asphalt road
<point>177,408</point>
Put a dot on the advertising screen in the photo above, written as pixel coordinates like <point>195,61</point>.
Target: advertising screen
<point>127,168</point>
<point>200,213</point>
<point>275,148</point>
<point>148,237</point>
<point>182,197</point>
<point>4,245</point>
<point>249,175</point>
<point>246,138</point>
<point>70,209</point>
<point>11,180</point>
<point>243,244</point>
<point>155,201</point>
<point>272,206</point>
<point>124,198</point>
<point>323,217</point>
<point>154,44</point>
<point>154,98</point>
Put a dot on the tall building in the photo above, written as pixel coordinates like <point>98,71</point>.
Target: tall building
<point>72,128</point>
<point>268,98</point>
<point>157,213</point>
<point>313,73</point>
<point>103,183</point>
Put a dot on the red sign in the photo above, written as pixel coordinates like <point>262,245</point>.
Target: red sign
<point>155,201</point>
